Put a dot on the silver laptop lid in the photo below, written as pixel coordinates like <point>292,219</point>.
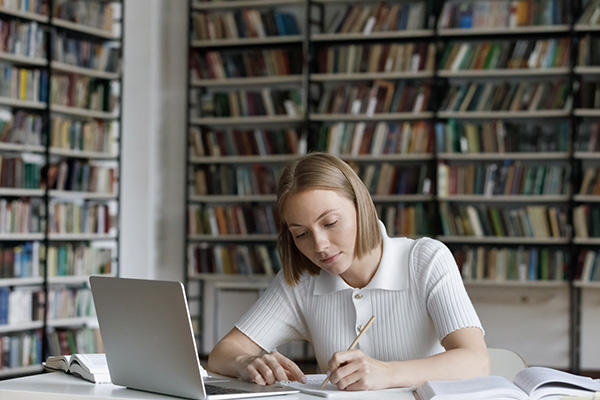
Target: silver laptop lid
<point>148,336</point>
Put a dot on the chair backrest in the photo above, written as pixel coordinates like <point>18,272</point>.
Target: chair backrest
<point>505,363</point>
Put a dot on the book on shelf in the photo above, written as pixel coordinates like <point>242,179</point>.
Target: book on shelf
<point>91,367</point>
<point>497,54</point>
<point>21,349</point>
<point>506,264</point>
<point>588,266</point>
<point>502,14</point>
<point>530,383</point>
<point>590,14</point>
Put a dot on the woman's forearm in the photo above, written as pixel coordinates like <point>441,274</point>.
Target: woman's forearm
<point>458,363</point>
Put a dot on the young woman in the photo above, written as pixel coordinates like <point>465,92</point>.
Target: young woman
<point>339,269</point>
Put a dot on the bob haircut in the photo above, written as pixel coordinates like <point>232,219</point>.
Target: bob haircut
<point>324,172</point>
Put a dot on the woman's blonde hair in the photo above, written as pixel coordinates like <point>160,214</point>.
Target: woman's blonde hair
<point>325,172</point>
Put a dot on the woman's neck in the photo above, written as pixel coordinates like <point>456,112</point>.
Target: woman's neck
<point>363,270</point>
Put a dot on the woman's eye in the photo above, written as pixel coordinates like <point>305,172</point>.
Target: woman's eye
<point>300,236</point>
<point>331,223</point>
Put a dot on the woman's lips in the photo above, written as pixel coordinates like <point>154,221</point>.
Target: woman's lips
<point>331,259</point>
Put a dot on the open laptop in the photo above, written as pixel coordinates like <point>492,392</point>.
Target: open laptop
<point>149,341</point>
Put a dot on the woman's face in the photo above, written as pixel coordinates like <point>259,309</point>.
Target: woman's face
<point>323,225</point>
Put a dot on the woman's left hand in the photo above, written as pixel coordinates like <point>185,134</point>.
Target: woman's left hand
<point>354,370</point>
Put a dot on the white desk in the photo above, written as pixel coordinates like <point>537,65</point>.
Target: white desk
<point>60,386</point>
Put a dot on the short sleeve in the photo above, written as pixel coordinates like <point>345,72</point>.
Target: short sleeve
<point>441,286</point>
<point>275,318</point>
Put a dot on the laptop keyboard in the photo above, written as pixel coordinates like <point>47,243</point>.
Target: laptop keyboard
<point>212,390</point>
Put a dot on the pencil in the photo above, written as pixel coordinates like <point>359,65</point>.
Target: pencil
<point>354,343</point>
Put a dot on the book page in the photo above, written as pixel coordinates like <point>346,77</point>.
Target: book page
<point>58,362</point>
<point>535,379</point>
<point>313,386</point>
<point>95,363</point>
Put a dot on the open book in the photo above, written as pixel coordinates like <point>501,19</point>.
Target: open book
<point>313,386</point>
<point>529,384</point>
<point>91,367</point>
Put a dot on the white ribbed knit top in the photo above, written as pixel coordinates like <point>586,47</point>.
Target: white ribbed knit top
<point>416,295</point>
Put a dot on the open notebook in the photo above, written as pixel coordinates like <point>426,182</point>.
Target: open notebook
<point>313,386</point>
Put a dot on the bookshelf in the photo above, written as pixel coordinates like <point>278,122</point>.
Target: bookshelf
<point>478,117</point>
<point>247,118</point>
<point>59,148</point>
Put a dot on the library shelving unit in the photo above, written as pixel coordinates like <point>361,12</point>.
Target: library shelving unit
<point>371,75</point>
<point>503,141</point>
<point>247,113</point>
<point>60,162</point>
<point>479,117</point>
<point>586,155</point>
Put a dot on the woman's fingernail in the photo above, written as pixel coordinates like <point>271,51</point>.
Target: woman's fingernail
<point>328,373</point>
<point>303,379</point>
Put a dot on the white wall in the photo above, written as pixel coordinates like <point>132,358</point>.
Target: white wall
<point>153,188</point>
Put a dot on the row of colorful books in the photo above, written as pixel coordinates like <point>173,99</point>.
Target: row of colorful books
<point>30,6</point>
<point>234,142</point>
<point>94,14</point>
<point>586,221</point>
<point>69,303</point>
<point>590,182</point>
<point>75,341</point>
<point>22,216</point>
<point>236,220</point>
<point>21,305</point>
<point>245,64</point>
<point>588,50</point>
<point>370,58</point>
<point>390,179</point>
<point>587,137</point>
<point>519,264</point>
<point>89,135</point>
<point>80,218</point>
<point>21,171</point>
<point>26,260</point>
<point>78,259</point>
<point>502,137</point>
<point>502,14</point>
<point>245,23</point>
<point>378,17</point>
<point>240,103</point>
<point>507,96</point>
<point>498,54</point>
<point>588,266</point>
<point>20,128</point>
<point>256,179</point>
<point>382,96</point>
<point>405,219</point>
<point>375,138</point>
<point>21,261</point>
<point>507,178</point>
<point>22,38</point>
<point>21,349</point>
<point>257,259</point>
<point>23,84</point>
<point>83,176</point>
<point>72,90</point>
<point>86,54</point>
<point>534,221</point>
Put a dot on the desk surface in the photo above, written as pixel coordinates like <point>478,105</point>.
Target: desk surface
<point>58,385</point>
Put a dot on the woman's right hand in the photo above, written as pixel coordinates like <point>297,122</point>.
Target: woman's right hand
<point>268,368</point>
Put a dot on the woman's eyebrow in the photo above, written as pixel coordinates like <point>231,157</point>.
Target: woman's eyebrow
<point>324,213</point>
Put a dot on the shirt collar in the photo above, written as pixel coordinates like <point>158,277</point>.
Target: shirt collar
<point>392,273</point>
